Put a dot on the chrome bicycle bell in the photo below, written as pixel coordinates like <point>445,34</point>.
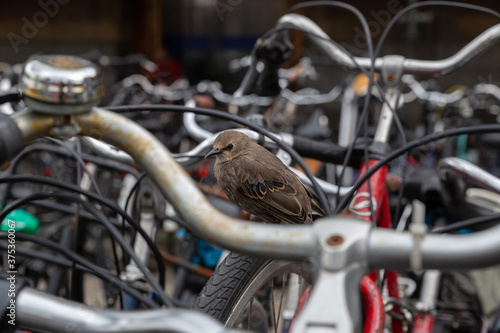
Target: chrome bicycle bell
<point>60,84</point>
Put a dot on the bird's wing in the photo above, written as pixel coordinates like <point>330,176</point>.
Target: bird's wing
<point>274,190</point>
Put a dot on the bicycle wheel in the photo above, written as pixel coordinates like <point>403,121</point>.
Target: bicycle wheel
<point>252,293</point>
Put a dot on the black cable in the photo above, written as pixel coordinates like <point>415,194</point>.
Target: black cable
<point>77,277</point>
<point>131,193</point>
<point>189,156</point>
<point>469,223</point>
<point>367,165</point>
<point>80,161</point>
<point>428,3</point>
<point>69,211</point>
<point>103,201</point>
<point>396,119</point>
<point>39,145</point>
<point>348,7</point>
<point>215,113</point>
<point>98,271</point>
<point>103,219</point>
<point>400,197</point>
<point>400,316</point>
<point>47,257</point>
<point>489,128</point>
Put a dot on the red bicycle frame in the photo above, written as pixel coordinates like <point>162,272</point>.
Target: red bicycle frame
<point>373,195</point>
<point>371,204</point>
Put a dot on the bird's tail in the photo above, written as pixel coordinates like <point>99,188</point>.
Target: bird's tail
<point>317,209</point>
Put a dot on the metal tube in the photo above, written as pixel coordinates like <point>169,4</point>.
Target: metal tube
<point>195,130</point>
<point>108,151</point>
<point>189,120</point>
<point>331,50</point>
<point>347,128</point>
<point>33,125</point>
<point>54,314</point>
<point>430,290</point>
<point>292,242</point>
<point>386,115</point>
<point>390,249</point>
<point>249,79</point>
<point>411,66</point>
<point>471,171</point>
<point>450,64</point>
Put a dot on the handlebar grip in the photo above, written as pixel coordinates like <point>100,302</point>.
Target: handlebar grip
<point>11,139</point>
<point>11,95</point>
<point>323,151</point>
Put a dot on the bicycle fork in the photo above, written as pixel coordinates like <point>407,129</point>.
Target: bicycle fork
<point>424,321</point>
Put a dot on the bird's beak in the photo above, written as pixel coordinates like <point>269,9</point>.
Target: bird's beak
<point>213,152</point>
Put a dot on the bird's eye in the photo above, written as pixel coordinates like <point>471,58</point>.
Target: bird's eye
<point>230,146</point>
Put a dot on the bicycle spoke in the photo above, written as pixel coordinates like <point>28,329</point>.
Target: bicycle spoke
<point>300,291</point>
<point>273,310</point>
<point>281,299</point>
<point>250,314</point>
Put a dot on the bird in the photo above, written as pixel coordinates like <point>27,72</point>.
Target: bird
<point>256,180</point>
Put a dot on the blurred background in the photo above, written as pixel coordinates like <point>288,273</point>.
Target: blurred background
<point>204,39</point>
<point>202,36</point>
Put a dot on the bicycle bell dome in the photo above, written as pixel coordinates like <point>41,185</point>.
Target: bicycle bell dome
<point>61,84</point>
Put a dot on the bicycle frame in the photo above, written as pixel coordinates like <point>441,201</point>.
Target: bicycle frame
<point>371,203</point>
<point>373,195</point>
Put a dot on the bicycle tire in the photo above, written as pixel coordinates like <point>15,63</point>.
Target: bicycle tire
<point>236,279</point>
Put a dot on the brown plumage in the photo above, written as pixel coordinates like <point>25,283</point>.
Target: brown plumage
<point>257,181</point>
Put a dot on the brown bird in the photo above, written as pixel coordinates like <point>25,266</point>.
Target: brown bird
<point>257,181</point>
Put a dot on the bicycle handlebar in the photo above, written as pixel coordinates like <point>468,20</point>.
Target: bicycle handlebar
<point>471,171</point>
<point>386,248</point>
<point>389,249</point>
<point>375,247</point>
<point>410,66</point>
<point>54,314</point>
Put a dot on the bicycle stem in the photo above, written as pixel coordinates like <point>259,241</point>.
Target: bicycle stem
<point>386,116</point>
